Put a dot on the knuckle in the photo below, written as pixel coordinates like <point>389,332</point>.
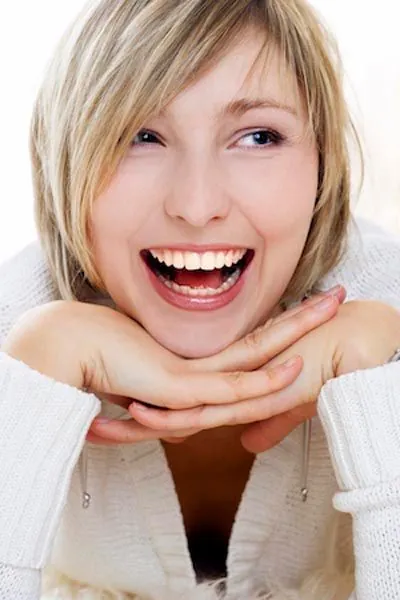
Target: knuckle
<point>268,324</point>
<point>271,372</point>
<point>194,401</point>
<point>125,437</point>
<point>305,319</point>
<point>304,315</point>
<point>197,419</point>
<point>231,416</point>
<point>254,338</point>
<point>276,378</point>
<point>187,396</point>
<point>264,407</point>
<point>161,419</point>
<point>175,422</point>
<point>235,380</point>
<point>233,420</point>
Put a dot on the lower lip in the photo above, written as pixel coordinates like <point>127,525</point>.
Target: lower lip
<point>199,303</point>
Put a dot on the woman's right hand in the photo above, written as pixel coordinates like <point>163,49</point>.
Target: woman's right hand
<point>96,348</point>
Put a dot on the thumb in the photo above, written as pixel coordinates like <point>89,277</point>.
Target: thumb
<point>264,435</point>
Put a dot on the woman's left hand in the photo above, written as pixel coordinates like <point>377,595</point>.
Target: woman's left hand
<point>363,334</point>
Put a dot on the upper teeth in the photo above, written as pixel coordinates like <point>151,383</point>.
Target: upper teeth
<point>192,261</point>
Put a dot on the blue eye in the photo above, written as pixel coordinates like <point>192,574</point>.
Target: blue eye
<point>261,138</point>
<point>145,137</point>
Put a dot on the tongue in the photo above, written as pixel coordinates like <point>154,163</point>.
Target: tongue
<point>207,279</point>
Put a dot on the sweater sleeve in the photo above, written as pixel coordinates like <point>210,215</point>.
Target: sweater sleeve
<point>360,413</point>
<point>19,584</point>
<point>44,424</point>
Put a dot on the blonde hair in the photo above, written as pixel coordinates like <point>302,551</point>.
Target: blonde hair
<point>121,62</point>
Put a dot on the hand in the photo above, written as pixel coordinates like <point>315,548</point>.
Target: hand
<point>96,348</point>
<point>361,335</point>
<point>246,355</point>
<point>365,335</point>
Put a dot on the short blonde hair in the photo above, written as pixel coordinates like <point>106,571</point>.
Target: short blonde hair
<point>121,62</point>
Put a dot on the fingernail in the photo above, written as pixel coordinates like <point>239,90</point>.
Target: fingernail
<point>314,299</point>
<point>335,290</point>
<point>138,405</point>
<point>324,303</point>
<point>101,421</point>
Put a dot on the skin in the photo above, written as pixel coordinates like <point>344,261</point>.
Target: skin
<point>362,334</point>
<point>204,180</point>
<point>214,373</point>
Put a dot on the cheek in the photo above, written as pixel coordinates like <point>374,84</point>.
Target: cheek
<point>120,212</point>
<point>115,212</point>
<point>129,204</point>
<point>115,218</point>
<point>278,194</point>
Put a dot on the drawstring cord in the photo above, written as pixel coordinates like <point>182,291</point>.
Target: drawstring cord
<point>83,468</point>
<point>307,442</point>
<point>307,425</point>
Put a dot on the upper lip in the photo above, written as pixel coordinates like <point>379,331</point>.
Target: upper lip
<point>199,248</point>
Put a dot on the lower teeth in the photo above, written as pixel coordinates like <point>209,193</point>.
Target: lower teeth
<point>201,291</point>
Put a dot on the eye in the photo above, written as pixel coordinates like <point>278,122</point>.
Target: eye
<point>145,137</point>
<point>261,138</point>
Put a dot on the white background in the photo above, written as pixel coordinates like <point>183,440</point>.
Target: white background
<point>369,40</point>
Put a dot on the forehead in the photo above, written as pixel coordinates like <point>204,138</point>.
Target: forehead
<point>249,70</point>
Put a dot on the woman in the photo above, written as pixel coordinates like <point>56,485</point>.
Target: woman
<point>191,175</point>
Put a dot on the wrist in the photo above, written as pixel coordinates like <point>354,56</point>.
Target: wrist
<point>43,340</point>
<point>370,336</point>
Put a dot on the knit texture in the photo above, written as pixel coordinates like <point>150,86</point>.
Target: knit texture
<point>132,538</point>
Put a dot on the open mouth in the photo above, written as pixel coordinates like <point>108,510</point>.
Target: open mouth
<point>200,275</point>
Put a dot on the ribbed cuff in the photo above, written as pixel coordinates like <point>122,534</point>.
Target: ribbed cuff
<point>44,424</point>
<point>360,413</point>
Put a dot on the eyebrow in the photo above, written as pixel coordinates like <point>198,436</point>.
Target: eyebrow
<point>239,107</point>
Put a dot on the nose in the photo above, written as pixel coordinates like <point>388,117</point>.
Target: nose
<point>197,194</point>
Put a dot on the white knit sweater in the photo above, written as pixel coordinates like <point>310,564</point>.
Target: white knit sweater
<point>132,537</point>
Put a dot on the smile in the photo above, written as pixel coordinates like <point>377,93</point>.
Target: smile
<point>197,280</point>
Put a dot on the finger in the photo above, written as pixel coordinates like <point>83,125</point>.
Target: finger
<point>199,389</point>
<point>105,441</point>
<point>338,291</point>
<point>98,440</point>
<point>264,435</point>
<point>266,342</point>
<point>208,417</point>
<point>128,431</point>
<point>122,401</point>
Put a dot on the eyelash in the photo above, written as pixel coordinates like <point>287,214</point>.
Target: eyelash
<point>145,132</point>
<point>276,138</point>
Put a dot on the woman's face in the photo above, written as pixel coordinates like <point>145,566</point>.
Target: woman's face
<point>224,176</point>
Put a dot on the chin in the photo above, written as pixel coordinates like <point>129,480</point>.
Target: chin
<point>195,344</point>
